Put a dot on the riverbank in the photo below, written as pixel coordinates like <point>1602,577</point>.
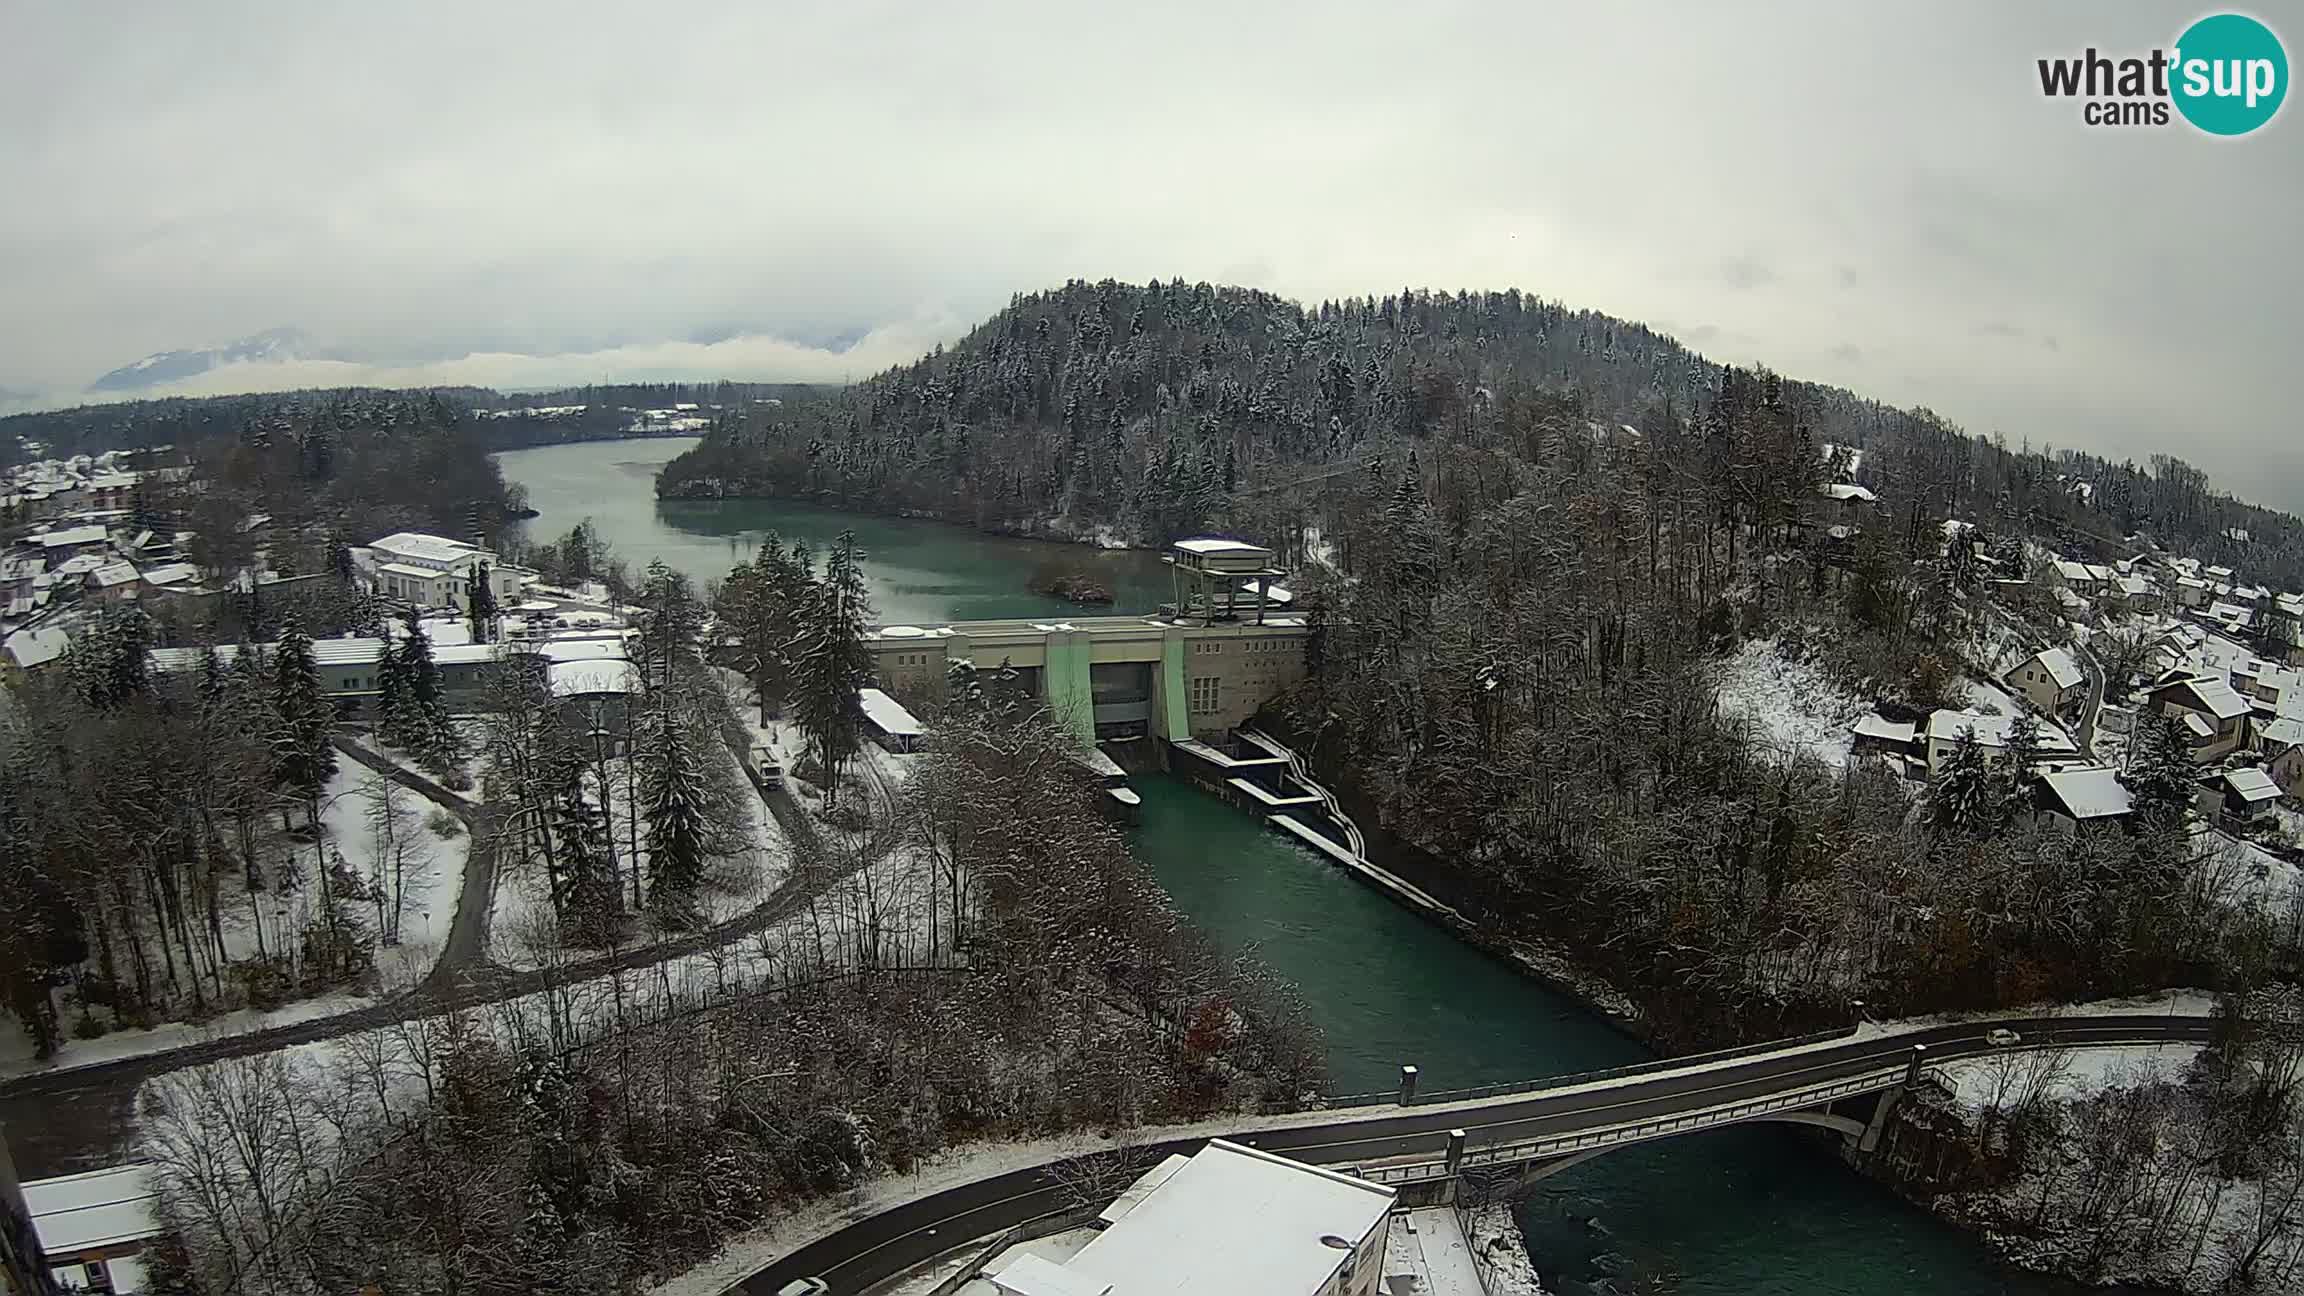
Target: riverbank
<point>1725,1213</point>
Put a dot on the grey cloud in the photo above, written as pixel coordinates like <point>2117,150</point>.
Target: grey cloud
<point>526,186</point>
<point>1848,353</point>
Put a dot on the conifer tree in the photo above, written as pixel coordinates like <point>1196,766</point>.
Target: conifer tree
<point>302,759</point>
<point>2160,772</point>
<point>1965,798</point>
<point>480,603</point>
<point>833,664</point>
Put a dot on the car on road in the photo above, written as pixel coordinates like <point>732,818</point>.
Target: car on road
<point>2002,1037</point>
<point>804,1287</point>
<point>769,769</point>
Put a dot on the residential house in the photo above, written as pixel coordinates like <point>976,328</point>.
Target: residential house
<point>1991,731</point>
<point>95,1227</point>
<point>2212,712</point>
<point>1877,734</point>
<point>2086,579</point>
<point>27,651</point>
<point>2281,743</point>
<point>2133,594</point>
<point>63,542</point>
<point>1843,502</point>
<point>113,582</point>
<point>2085,794</point>
<point>2051,680</point>
<point>2192,592</point>
<point>1227,1219</point>
<point>2241,796</point>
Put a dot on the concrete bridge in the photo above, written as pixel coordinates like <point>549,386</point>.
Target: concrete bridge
<point>1422,1142</point>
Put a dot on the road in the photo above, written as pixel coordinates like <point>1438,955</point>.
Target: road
<point>78,1117</point>
<point>874,1249</point>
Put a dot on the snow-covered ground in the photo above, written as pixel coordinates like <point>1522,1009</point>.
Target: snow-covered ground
<point>475,764</point>
<point>1793,707</point>
<point>521,930</point>
<point>1989,698</point>
<point>1981,1082</point>
<point>384,833</point>
<point>431,874</point>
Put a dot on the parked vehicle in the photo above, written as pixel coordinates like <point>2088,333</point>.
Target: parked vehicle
<point>766,768</point>
<point>805,1287</point>
<point>2002,1037</point>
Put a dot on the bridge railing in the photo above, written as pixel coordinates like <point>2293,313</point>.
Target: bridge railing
<point>1423,1097</point>
<point>1558,1145</point>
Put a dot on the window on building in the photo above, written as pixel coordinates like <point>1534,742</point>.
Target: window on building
<point>1206,694</point>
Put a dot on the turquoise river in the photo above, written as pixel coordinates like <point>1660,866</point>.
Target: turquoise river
<point>1743,1212</point>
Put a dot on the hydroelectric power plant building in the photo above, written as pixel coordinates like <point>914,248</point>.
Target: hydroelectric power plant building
<point>1225,645</point>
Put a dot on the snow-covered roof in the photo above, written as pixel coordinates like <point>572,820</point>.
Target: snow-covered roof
<point>2198,727</point>
<point>2214,696</point>
<point>586,678</point>
<point>171,574</point>
<point>597,648</point>
<point>1027,1274</point>
<point>79,564</point>
<point>1875,725</point>
<point>2093,792</point>
<point>71,536</point>
<point>1234,1221</point>
<point>2060,667</point>
<point>887,713</point>
<point>94,1209</point>
<point>2251,784</point>
<point>465,654</point>
<point>2281,734</point>
<point>2074,571</point>
<point>30,648</point>
<point>1946,725</point>
<point>424,548</point>
<point>112,574</point>
<point>1208,545</point>
<point>406,569</point>
<point>2135,586</point>
<point>1848,491</point>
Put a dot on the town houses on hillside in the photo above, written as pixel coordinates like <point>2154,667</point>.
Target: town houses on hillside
<point>57,574</point>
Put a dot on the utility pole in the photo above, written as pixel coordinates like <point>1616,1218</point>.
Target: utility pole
<point>21,1263</point>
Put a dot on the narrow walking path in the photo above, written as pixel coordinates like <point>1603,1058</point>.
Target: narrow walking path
<point>464,956</point>
<point>76,1117</point>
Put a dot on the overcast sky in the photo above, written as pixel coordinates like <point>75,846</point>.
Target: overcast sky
<point>554,192</point>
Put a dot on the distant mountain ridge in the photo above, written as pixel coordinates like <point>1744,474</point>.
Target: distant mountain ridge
<point>274,346</point>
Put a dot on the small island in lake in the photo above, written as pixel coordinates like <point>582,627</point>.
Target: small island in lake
<point>1071,586</point>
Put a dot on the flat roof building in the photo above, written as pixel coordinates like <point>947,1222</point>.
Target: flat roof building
<point>1227,1221</point>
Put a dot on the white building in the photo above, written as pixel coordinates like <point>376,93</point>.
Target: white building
<point>2049,679</point>
<point>93,1227</point>
<point>1226,1221</point>
<point>433,571</point>
<point>2089,794</point>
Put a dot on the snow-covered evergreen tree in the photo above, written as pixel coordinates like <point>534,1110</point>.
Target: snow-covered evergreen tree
<point>302,759</point>
<point>2160,772</point>
<point>1966,795</point>
<point>833,663</point>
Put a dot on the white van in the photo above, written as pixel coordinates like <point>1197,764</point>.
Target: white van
<point>765,766</point>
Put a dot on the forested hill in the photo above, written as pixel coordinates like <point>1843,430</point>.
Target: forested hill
<point>1151,410</point>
